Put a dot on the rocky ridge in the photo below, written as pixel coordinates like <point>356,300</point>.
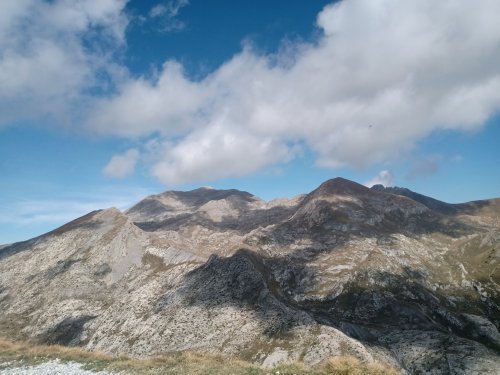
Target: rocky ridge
<point>381,273</point>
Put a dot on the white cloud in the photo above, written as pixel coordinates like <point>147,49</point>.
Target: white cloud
<point>158,10</point>
<point>217,152</point>
<point>170,104</point>
<point>382,178</point>
<point>123,165</point>
<point>168,13</point>
<point>45,63</point>
<point>383,75</point>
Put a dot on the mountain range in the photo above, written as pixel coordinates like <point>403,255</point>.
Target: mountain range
<point>380,273</point>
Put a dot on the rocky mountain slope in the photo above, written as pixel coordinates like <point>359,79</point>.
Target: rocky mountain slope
<point>381,273</point>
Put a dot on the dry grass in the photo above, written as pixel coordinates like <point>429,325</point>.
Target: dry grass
<point>20,350</point>
<point>348,365</point>
<point>28,354</point>
<point>177,363</point>
<point>192,363</point>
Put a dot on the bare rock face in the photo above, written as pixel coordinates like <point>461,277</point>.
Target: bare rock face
<point>381,273</point>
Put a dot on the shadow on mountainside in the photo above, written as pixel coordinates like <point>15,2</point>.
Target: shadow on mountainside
<point>253,219</point>
<point>69,331</point>
<point>369,306</point>
<point>374,214</point>
<point>338,204</point>
<point>434,204</point>
<point>374,305</point>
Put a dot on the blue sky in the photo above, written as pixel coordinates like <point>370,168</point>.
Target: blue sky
<point>103,102</point>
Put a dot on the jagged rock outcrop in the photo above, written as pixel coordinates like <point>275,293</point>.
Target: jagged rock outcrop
<point>381,273</point>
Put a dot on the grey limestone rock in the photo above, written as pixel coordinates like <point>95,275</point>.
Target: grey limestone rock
<point>378,273</point>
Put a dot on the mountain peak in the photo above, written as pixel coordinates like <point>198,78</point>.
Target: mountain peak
<point>171,203</point>
<point>339,185</point>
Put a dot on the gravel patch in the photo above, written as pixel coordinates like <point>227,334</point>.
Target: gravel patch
<point>55,367</point>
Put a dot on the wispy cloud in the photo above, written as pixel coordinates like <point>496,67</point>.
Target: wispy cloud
<point>167,13</point>
<point>429,165</point>
<point>424,167</point>
<point>121,166</point>
<point>59,211</point>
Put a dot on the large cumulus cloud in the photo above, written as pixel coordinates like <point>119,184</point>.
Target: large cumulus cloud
<point>382,75</point>
<point>53,53</point>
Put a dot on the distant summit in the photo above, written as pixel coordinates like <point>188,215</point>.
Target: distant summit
<point>433,204</point>
<point>341,185</point>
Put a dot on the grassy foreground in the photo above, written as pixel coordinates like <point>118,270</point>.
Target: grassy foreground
<point>186,363</point>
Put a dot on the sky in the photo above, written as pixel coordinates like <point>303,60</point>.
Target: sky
<point>103,102</point>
